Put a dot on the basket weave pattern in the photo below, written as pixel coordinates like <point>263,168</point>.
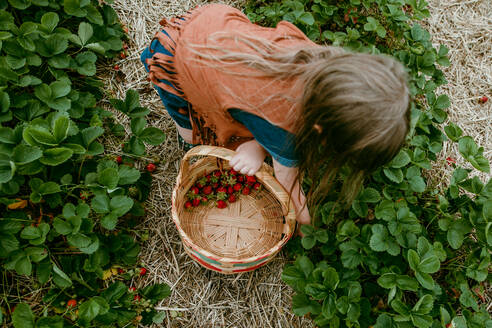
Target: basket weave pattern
<point>243,236</point>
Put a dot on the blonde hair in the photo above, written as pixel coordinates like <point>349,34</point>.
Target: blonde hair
<point>354,108</point>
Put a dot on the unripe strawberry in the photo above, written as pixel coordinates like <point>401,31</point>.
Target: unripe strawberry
<point>207,190</point>
<point>221,204</point>
<point>71,303</point>
<point>143,271</point>
<point>246,190</point>
<point>188,204</point>
<point>232,198</point>
<point>150,167</point>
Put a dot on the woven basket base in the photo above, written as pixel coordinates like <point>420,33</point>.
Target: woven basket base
<point>249,227</point>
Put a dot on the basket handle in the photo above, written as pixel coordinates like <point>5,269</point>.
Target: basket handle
<point>265,172</point>
<point>219,152</point>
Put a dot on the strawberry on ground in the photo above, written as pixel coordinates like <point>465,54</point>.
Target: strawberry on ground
<point>483,99</point>
<point>137,297</point>
<point>143,271</point>
<point>150,167</point>
<point>119,160</point>
<point>132,289</point>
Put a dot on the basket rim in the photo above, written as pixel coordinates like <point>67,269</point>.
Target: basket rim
<point>290,221</point>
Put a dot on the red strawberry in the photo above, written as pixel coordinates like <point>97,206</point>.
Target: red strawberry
<point>143,271</point>
<point>483,99</point>
<point>195,190</point>
<point>207,190</point>
<point>125,46</point>
<point>71,303</point>
<point>150,167</point>
<point>450,160</point>
<point>246,190</point>
<point>449,325</point>
<point>116,67</point>
<point>346,18</point>
<point>137,297</point>
<point>250,179</point>
<point>122,55</point>
<point>188,204</point>
<point>257,186</point>
<point>132,289</point>
<point>237,186</point>
<point>119,159</point>
<point>196,202</point>
<point>121,271</point>
<point>232,198</point>
<point>232,171</point>
<point>230,190</point>
<point>240,178</point>
<point>217,173</point>
<point>215,185</point>
<point>208,177</point>
<point>354,20</point>
<point>222,189</point>
<point>204,199</point>
<point>221,204</point>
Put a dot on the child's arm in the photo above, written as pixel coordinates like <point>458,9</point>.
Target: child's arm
<point>287,176</point>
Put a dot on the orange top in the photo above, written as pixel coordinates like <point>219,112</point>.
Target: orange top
<point>210,90</point>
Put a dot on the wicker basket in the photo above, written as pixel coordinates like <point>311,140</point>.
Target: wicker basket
<point>245,235</point>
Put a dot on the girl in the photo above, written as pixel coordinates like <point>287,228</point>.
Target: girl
<point>259,91</point>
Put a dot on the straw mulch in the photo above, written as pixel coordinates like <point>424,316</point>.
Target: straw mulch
<point>201,298</point>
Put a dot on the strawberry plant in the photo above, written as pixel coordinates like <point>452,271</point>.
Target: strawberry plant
<point>406,253</point>
<point>67,209</point>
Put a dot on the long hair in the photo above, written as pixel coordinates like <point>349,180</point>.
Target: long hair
<point>353,112</point>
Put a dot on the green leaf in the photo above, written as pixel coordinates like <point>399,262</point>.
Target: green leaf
<point>137,147</point>
<point>159,317</point>
<point>89,310</point>
<point>395,175</point>
<point>62,227</point>
<point>85,32</point>
<point>302,305</point>
<point>60,278</point>
<point>50,322</point>
<point>108,178</point>
<point>380,240</point>
<point>23,316</point>
<point>305,265</point>
<point>331,278</point>
<point>413,259</point>
<point>120,205</point>
<point>137,125</point>
<point>369,195</point>
<point>39,134</point>
<point>467,147</point>
<point>127,175</point>
<point>307,18</point>
<point>425,280</point>
<point>50,21</point>
<point>429,264</point>
<point>24,154</point>
<point>387,280</point>
<point>417,184</point>
<point>91,133</point>
<point>424,304</point>
<point>23,266</point>
<point>308,242</point>
<point>156,292</point>
<point>59,89</point>
<point>60,128</point>
<point>109,221</point>
<point>56,156</point>
<point>153,136</point>
<point>407,283</point>
<point>49,188</point>
<point>100,204</point>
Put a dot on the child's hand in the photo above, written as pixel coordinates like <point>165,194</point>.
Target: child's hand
<point>249,157</point>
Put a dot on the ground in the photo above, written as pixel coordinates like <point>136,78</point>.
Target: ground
<point>202,298</point>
